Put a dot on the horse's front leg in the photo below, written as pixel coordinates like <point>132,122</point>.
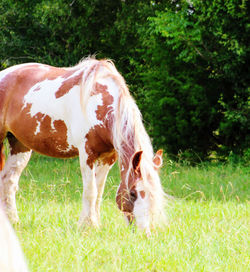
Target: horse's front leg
<point>88,215</point>
<point>101,176</point>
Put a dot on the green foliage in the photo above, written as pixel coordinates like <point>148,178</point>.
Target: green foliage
<point>197,78</point>
<point>185,61</point>
<point>56,32</point>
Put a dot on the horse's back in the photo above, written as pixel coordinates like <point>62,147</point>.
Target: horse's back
<point>16,81</point>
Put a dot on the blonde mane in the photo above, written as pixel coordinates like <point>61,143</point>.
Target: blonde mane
<point>127,121</point>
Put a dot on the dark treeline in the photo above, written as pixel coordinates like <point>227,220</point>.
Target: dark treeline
<point>184,61</point>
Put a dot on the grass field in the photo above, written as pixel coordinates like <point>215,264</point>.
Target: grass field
<point>208,222</point>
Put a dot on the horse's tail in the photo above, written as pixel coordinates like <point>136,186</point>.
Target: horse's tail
<point>2,156</point>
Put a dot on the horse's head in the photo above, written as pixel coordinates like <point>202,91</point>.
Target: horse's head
<point>137,193</point>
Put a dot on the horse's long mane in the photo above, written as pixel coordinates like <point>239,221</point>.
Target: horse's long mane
<point>127,123</point>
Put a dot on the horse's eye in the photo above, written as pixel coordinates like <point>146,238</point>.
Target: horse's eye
<point>133,196</point>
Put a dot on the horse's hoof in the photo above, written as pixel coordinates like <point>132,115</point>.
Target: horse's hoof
<point>87,221</point>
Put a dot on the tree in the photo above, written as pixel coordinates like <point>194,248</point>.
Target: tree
<point>196,76</point>
<point>55,32</point>
<point>186,61</point>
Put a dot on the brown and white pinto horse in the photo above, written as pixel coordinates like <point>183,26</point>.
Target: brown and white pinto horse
<point>84,110</point>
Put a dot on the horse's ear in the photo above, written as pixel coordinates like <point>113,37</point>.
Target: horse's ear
<point>157,160</point>
<point>136,161</point>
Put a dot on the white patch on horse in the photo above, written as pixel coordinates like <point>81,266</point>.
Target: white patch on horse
<point>37,128</point>
<point>141,212</point>
<point>126,219</point>
<point>93,103</point>
<point>67,108</point>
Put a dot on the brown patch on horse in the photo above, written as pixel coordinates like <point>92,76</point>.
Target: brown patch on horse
<point>3,98</point>
<point>99,144</point>
<point>21,80</point>
<point>51,139</point>
<point>16,146</point>
<point>102,110</point>
<point>2,157</point>
<point>127,193</point>
<point>124,201</point>
<point>51,73</point>
<point>68,84</point>
<point>24,80</point>
<point>108,157</point>
<point>136,161</point>
<point>157,160</point>
<point>142,193</point>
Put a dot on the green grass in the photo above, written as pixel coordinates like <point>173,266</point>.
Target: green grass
<point>208,222</point>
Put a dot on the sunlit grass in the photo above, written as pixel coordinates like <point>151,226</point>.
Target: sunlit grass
<point>208,222</point>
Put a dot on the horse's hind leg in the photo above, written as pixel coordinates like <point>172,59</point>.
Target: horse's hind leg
<point>9,176</point>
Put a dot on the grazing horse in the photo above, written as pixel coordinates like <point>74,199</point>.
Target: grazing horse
<point>84,111</point>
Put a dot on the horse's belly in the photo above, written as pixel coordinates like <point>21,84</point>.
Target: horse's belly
<point>51,144</point>
<point>54,147</point>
